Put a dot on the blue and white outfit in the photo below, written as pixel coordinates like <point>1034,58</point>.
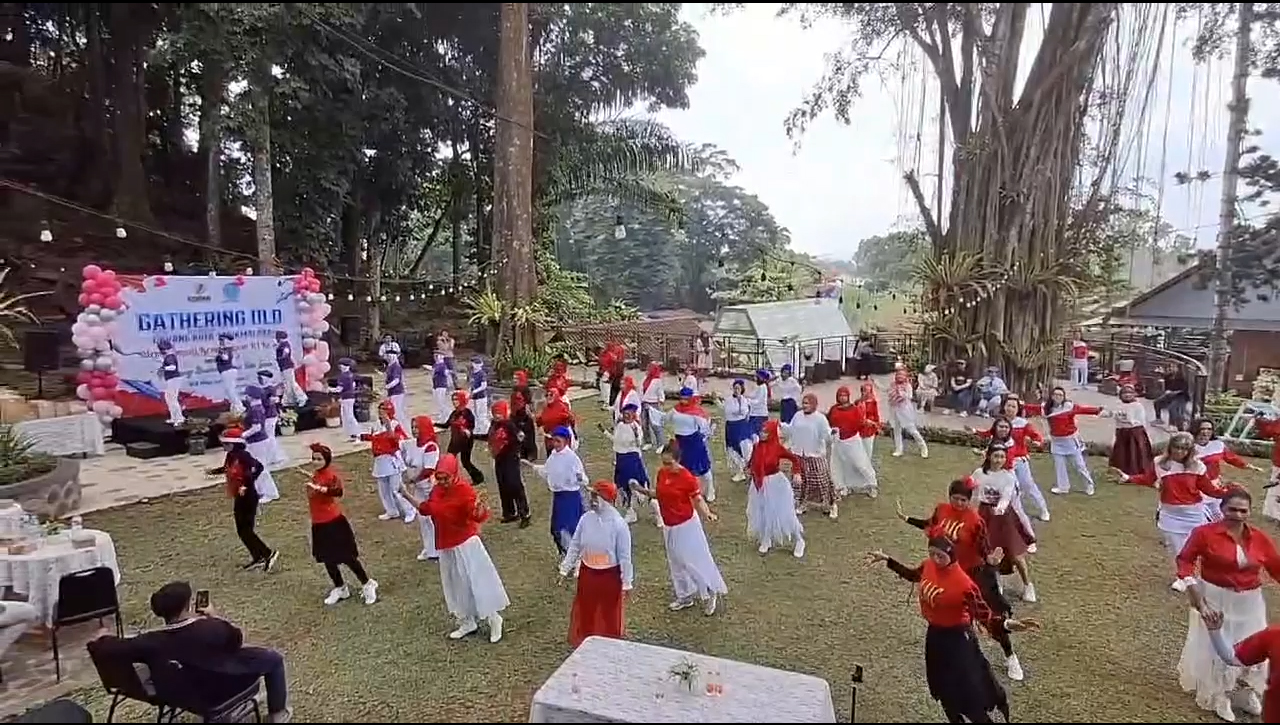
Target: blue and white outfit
<point>628,464</point>
<point>225,362</point>
<point>442,385</point>
<point>789,391</point>
<point>565,477</point>
<point>257,442</point>
<point>271,409</point>
<point>395,382</point>
<point>293,393</point>
<point>759,403</point>
<point>692,432</point>
<point>172,380</point>
<point>479,401</point>
<point>346,391</point>
<point>739,435</point>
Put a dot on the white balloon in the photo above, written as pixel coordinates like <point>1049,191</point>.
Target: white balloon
<point>116,411</point>
<point>113,327</point>
<point>323,327</point>
<point>303,305</point>
<point>102,407</point>
<point>91,319</point>
<point>105,418</point>
<point>86,364</point>
<point>102,345</point>
<point>84,348</point>
<point>94,309</point>
<point>308,343</point>
<point>107,315</point>
<point>79,328</point>
<point>82,391</point>
<point>104,363</point>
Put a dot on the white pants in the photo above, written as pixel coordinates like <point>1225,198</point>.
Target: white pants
<point>427,528</point>
<point>1079,373</point>
<point>293,393</point>
<point>276,456</point>
<point>869,442</point>
<point>1174,541</point>
<point>15,619</point>
<point>1062,482</point>
<point>708,485</point>
<point>347,411</point>
<point>604,390</point>
<point>172,387</point>
<point>1271,499</point>
<point>913,432</point>
<point>443,406</point>
<point>738,461</point>
<point>1027,486</point>
<point>484,417</point>
<point>402,413</point>
<point>393,502</point>
<point>230,386</point>
<point>653,424</point>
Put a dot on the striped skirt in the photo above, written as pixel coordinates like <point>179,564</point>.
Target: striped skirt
<point>815,482</point>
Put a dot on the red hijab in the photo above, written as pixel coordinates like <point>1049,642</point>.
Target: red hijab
<point>652,373</point>
<point>628,384</point>
<point>691,406</point>
<point>426,430</point>
<point>521,377</point>
<point>768,453</point>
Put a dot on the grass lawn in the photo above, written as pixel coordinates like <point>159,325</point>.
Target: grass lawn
<point>1112,636</point>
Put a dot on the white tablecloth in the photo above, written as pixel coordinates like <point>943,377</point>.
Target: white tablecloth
<point>621,681</point>
<point>36,575</point>
<point>68,435</point>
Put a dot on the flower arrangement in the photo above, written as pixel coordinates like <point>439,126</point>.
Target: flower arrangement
<point>686,673</point>
<point>289,417</point>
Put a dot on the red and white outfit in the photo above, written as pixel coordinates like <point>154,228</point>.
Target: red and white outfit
<point>997,491</point>
<point>1182,491</point>
<point>1018,459</point>
<point>1066,446</point>
<point>870,416</point>
<point>902,413</point>
<point>472,588</point>
<point>1230,582</point>
<point>771,510</point>
<point>1213,454</point>
<point>1079,364</point>
<point>694,574</point>
<point>851,469</point>
<point>1259,648</point>
<point>600,551</point>
<point>1267,428</point>
<point>421,457</point>
<point>389,466</point>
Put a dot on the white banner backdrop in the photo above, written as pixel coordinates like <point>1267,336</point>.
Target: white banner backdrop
<point>191,312</point>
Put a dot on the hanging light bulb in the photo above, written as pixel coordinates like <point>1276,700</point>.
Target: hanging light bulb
<point>411,297</point>
<point>168,266</point>
<point>397,298</point>
<point>382,298</point>
<point>121,233</point>
<point>330,297</point>
<point>350,297</point>
<point>213,273</point>
<point>248,271</point>
<point>619,227</point>
<point>368,298</point>
<point>46,236</point>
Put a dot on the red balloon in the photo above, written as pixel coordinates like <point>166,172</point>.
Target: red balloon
<point>97,392</point>
<point>110,381</point>
<point>89,286</point>
<point>110,274</point>
<point>112,303</point>
<point>96,299</point>
<point>83,299</point>
<point>91,271</point>
<point>84,377</point>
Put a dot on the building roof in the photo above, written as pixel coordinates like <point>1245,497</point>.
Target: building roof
<point>781,325</point>
<point>1185,301</point>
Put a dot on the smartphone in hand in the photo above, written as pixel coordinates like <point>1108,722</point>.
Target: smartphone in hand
<point>202,600</point>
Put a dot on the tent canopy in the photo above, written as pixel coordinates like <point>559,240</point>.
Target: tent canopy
<point>789,331</point>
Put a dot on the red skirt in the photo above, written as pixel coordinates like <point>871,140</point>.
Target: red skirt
<point>597,607</point>
<point>1131,452</point>
<point>1006,531</point>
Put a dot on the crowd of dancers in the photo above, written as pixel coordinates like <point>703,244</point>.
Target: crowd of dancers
<point>805,458</point>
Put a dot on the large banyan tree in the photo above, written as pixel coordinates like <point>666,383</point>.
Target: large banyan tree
<point>1032,148</point>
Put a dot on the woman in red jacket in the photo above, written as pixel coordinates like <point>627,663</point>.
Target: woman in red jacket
<point>1269,428</point>
<point>333,543</point>
<point>851,469</point>
<point>958,674</point>
<point>1064,440</point>
<point>473,591</point>
<point>870,415</point>
<point>1231,556</point>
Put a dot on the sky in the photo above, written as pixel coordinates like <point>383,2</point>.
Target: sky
<point>841,184</point>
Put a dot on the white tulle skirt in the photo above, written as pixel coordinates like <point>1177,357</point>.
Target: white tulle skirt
<point>851,469</point>
<point>1200,670</point>
<point>771,512</point>
<point>472,587</point>
<point>693,571</point>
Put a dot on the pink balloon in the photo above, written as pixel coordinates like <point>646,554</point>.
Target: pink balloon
<point>97,392</point>
<point>110,380</point>
<point>308,272</point>
<point>110,274</point>
<point>91,271</point>
<point>112,303</point>
<point>83,377</point>
<point>89,286</point>
<point>322,351</point>
<point>315,285</point>
<point>96,299</point>
<point>83,299</point>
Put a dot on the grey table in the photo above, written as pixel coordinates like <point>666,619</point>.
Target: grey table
<point>621,681</point>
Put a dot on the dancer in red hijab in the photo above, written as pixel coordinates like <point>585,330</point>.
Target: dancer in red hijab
<point>504,446</point>
<point>462,431</point>
<point>559,377</point>
<point>871,415</point>
<point>522,416</point>
<point>600,551</point>
<point>627,395</point>
<point>771,510</point>
<point>422,458</point>
<point>851,469</point>
<point>473,590</point>
<point>653,396</point>
<point>333,543</point>
<point>556,414</point>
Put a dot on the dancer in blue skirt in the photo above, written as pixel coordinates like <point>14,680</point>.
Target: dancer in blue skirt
<point>760,396</point>
<point>692,429</point>
<point>789,392</point>
<point>566,477</point>
<point>739,433</point>
<point>628,463</point>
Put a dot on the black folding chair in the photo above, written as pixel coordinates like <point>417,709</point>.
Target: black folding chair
<point>60,710</point>
<point>210,696</point>
<point>82,596</point>
<point>124,680</point>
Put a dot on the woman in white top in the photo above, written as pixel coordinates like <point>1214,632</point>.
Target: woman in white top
<point>565,477</point>
<point>808,436</point>
<point>1131,450</point>
<point>653,395</point>
<point>997,489</point>
<point>738,435</point>
<point>600,551</point>
<point>789,392</point>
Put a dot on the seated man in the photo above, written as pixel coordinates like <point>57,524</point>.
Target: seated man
<point>15,618</point>
<point>201,641</point>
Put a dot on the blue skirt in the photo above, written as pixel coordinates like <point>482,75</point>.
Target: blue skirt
<point>736,432</point>
<point>566,509</point>
<point>694,454</point>
<point>757,424</point>
<point>628,467</point>
<point>789,410</point>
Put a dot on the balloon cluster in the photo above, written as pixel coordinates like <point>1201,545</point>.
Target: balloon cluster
<point>313,308</point>
<point>91,334</point>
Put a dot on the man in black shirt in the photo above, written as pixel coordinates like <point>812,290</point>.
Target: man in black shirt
<point>203,642</point>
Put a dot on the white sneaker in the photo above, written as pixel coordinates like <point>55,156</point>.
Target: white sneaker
<point>1088,490</point>
<point>465,627</point>
<point>798,552</point>
<point>1031,548</point>
<point>711,498</point>
<point>897,454</point>
<point>709,604</point>
<point>679,604</point>
<point>387,517</point>
<point>646,447</point>
<point>764,549</point>
<point>336,595</point>
<point>873,492</point>
<point>629,516</point>
<point>411,516</point>
<point>834,513</point>
<point>1014,668</point>
<point>1029,594</point>
<point>425,555</point>
<point>1044,515</point>
<point>495,628</point>
<point>924,452</point>
<point>1178,586</point>
<point>738,478</point>
<point>369,592</point>
<point>1059,491</point>
<point>1249,702</point>
<point>1222,708</point>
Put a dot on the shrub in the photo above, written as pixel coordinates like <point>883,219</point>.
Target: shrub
<point>19,461</point>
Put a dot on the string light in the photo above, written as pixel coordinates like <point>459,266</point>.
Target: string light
<point>46,235</point>
<point>350,297</point>
<point>121,233</point>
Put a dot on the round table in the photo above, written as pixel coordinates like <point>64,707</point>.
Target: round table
<point>36,575</point>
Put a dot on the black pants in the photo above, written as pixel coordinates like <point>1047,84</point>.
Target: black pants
<point>615,388</point>
<point>245,512</point>
<point>988,580</point>
<point>462,449</point>
<point>335,575</point>
<point>506,470</point>
<point>966,716</point>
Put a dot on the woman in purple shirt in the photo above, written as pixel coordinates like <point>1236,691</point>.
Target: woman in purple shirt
<point>171,375</point>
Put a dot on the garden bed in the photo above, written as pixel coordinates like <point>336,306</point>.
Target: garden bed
<point>54,493</point>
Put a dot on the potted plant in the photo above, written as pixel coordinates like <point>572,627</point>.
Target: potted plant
<point>288,422</point>
<point>42,484</point>
<point>197,436</point>
<point>685,672</point>
<point>331,413</point>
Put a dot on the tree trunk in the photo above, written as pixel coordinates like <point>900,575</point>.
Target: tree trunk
<point>513,171</point>
<point>1236,126</point>
<point>212,87</point>
<point>264,202</point>
<point>458,172</point>
<point>94,186</point>
<point>375,290</point>
<point>130,200</point>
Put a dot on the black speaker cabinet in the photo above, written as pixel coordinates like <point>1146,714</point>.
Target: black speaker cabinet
<point>40,351</point>
<point>350,327</point>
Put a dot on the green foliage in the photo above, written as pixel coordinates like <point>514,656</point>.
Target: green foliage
<point>19,461</point>
<point>769,279</point>
<point>889,260</point>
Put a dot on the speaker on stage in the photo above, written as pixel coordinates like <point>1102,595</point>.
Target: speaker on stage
<point>350,327</point>
<point>40,351</point>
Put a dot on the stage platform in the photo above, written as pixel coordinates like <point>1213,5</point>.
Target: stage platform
<point>173,441</point>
